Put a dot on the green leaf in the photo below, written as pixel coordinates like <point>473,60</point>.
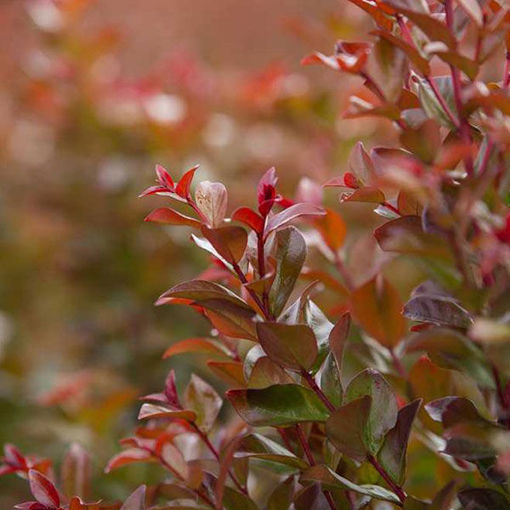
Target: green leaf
<point>261,447</point>
<point>330,479</point>
<point>383,407</point>
<point>376,305</point>
<point>430,103</point>
<point>293,346</point>
<point>278,405</point>
<point>234,500</point>
<point>393,452</point>
<point>338,338</point>
<point>282,495</point>
<point>483,499</point>
<point>204,401</point>
<point>450,349</point>
<point>345,428</point>
<point>330,383</point>
<point>290,256</point>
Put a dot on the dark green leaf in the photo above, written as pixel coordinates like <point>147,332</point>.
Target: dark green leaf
<point>393,452</point>
<point>290,256</point>
<point>383,407</point>
<point>278,405</point>
<point>439,310</point>
<point>329,478</point>
<point>345,428</point>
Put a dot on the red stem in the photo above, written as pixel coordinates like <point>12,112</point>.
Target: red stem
<point>386,477</point>
<point>165,464</point>
<point>213,450</point>
<point>313,385</point>
<point>311,460</point>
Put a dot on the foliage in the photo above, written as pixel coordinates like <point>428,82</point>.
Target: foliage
<point>334,408</point>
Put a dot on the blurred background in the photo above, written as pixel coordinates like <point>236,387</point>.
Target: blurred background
<point>92,95</point>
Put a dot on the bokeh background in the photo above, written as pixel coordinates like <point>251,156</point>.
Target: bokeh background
<point>92,95</point>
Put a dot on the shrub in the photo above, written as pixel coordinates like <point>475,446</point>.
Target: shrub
<point>326,411</point>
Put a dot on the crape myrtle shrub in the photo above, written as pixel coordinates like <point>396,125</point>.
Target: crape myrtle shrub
<point>323,405</point>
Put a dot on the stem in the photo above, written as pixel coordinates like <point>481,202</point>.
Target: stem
<point>390,207</point>
<point>506,77</point>
<point>343,272</point>
<point>252,293</point>
<point>198,492</point>
<point>464,128</point>
<point>442,102</point>
<point>213,450</point>
<point>398,365</point>
<point>313,385</point>
<point>372,85</point>
<point>311,460</point>
<point>386,477</point>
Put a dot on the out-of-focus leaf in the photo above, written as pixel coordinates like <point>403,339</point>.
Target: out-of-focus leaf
<point>367,194</point>
<point>430,26</point>
<point>76,472</point>
<point>438,310</point>
<point>451,411</point>
<point>229,371</point>
<point>282,495</point>
<point>136,501</point>
<point>234,500</point>
<point>445,498</point>
<point>230,242</point>
<point>375,12</point>
<point>473,10</point>
<point>293,212</point>
<point>450,349</point>
<point>405,235</point>
<point>128,456</point>
<point>200,345</point>
<point>483,499</point>
<point>393,452</point>
<point>329,478</point>
<point>423,141</point>
<point>290,256</point>
<point>345,428</point>
<point>168,216</point>
<point>431,104</point>
<point>204,401</point>
<point>332,229</point>
<point>211,198</point>
<point>292,345</point>
<point>412,53</point>
<point>151,411</point>
<point>270,406</point>
<point>376,305</point>
<point>383,407</point>
<point>43,489</point>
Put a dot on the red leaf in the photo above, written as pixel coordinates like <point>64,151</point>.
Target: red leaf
<point>249,217</point>
<point>183,186</point>
<point>43,489</point>
<point>164,177</point>
<point>13,456</point>
<point>290,214</point>
<point>170,217</point>
<point>127,457</point>
<point>153,190</point>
